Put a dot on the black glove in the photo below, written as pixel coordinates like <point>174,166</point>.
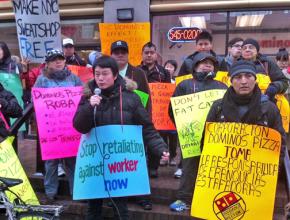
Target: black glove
<point>271,92</point>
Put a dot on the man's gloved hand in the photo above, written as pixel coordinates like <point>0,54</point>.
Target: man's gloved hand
<point>271,92</point>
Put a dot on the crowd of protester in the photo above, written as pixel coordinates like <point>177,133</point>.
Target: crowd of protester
<point>243,101</point>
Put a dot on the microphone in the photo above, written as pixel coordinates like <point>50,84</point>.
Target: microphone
<point>97,91</point>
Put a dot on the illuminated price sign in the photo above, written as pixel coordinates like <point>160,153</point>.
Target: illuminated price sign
<point>183,34</point>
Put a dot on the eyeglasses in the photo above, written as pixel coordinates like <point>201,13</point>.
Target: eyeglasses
<point>237,45</point>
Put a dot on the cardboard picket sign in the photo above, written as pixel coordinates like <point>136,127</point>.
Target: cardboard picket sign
<point>160,98</point>
<point>135,34</point>
<point>10,167</point>
<point>84,73</point>
<point>54,109</point>
<point>190,113</point>
<point>111,165</point>
<point>238,171</point>
<point>38,28</point>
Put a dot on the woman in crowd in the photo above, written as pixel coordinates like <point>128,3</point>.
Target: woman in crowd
<point>264,65</point>
<point>7,64</point>
<point>55,74</point>
<point>116,104</point>
<point>282,58</point>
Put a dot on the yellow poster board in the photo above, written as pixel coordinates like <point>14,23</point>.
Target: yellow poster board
<point>179,79</point>
<point>223,77</point>
<point>135,34</point>
<point>220,76</point>
<point>237,174</point>
<point>11,167</point>
<point>282,103</point>
<point>190,112</point>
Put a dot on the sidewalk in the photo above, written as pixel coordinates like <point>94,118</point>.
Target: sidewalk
<point>164,189</point>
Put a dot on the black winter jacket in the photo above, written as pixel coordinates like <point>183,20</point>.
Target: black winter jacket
<point>191,86</point>
<point>109,112</point>
<point>9,104</point>
<point>9,108</point>
<point>75,60</point>
<point>156,74</point>
<point>187,65</point>
<point>268,67</point>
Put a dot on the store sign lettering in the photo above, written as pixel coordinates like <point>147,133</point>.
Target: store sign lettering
<point>183,34</point>
<point>274,43</point>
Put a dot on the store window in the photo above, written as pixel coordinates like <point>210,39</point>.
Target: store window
<point>213,22</point>
<point>269,27</point>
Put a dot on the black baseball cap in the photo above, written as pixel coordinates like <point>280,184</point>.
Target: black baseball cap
<point>119,44</point>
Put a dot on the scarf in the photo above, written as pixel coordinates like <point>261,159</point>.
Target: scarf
<point>232,102</point>
<point>59,75</point>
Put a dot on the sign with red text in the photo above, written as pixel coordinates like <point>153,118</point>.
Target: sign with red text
<point>160,98</point>
<point>111,165</point>
<point>135,34</point>
<point>84,73</point>
<point>38,28</point>
<point>238,171</point>
<point>183,34</point>
<point>55,108</point>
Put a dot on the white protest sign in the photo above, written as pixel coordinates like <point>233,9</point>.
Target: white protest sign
<point>38,27</point>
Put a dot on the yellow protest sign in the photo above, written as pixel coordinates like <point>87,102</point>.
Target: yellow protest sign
<point>135,34</point>
<point>179,79</point>
<point>237,174</point>
<point>11,167</point>
<point>282,103</point>
<point>223,77</point>
<point>190,113</point>
<point>220,76</point>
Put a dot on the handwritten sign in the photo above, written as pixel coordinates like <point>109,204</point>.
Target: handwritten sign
<point>38,27</point>
<point>55,108</point>
<point>160,98</point>
<point>84,73</point>
<point>190,113</point>
<point>12,83</point>
<point>10,167</point>
<point>143,97</point>
<point>237,174</point>
<point>112,165</point>
<point>135,34</point>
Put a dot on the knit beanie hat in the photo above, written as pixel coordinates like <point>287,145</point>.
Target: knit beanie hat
<point>253,42</point>
<point>242,66</point>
